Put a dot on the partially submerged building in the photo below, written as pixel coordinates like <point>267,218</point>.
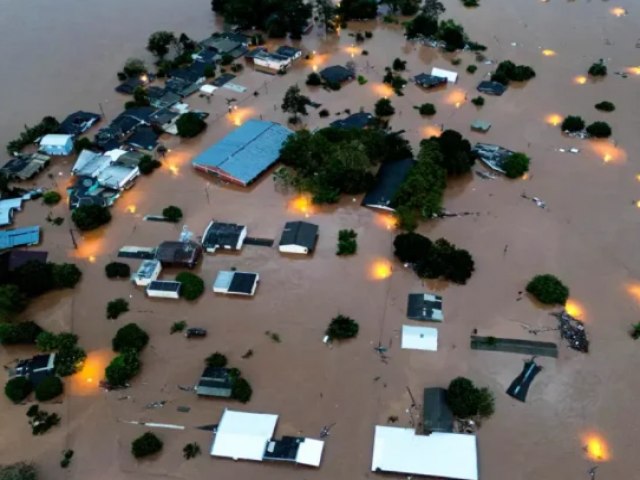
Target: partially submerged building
<point>227,236</point>
<point>148,271</point>
<point>480,126</point>
<point>427,81</point>
<point>225,44</point>
<point>425,307</point>
<point>143,138</point>
<point>19,237</point>
<point>7,208</point>
<point>388,181</point>
<point>419,338</point>
<point>493,156</point>
<point>245,153</point>
<point>35,369</point>
<point>249,436</point>
<point>336,74</point>
<point>437,416</point>
<point>78,123</point>
<point>56,144</point>
<point>359,120</point>
<point>179,254</point>
<point>25,166</point>
<point>451,76</point>
<point>299,237</point>
<point>164,289</point>
<point>215,382</point>
<point>491,88</point>
<point>232,282</point>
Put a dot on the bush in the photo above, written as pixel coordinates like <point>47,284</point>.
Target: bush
<point>516,165</point>
<point>605,106</point>
<point>172,213</point>
<point>117,270</point>
<point>347,243</point>
<point>130,337</point>
<point>216,360</point>
<point>598,69</point>
<point>226,59</point>
<point>191,450</point>
<point>411,247</point>
<point>146,445</point>
<point>51,197</point>
<point>508,71</point>
<point>41,421</point>
<point>314,79</point>
<point>241,390</point>
<point>362,80</point>
<point>399,65</point>
<point>455,152</point>
<point>134,67</point>
<point>18,471</point>
<point>466,400</point>
<point>407,219</point>
<point>548,289</point>
<point>209,71</point>
<point>147,165</point>
<point>472,69</point>
<point>342,327</point>
<point>478,101</point>
<point>117,307</point>
<point>192,285</point>
<point>470,3</point>
<point>49,388</point>
<point>178,327</point>
<point>383,108</point>
<point>65,275</point>
<point>123,368</point>
<point>19,333</point>
<point>635,331</point>
<point>18,388</point>
<point>572,123</point>
<point>30,134</point>
<point>83,143</point>
<point>427,109</point>
<point>12,301</point>
<point>69,359</point>
<point>90,217</point>
<point>190,125</point>
<point>323,113</point>
<point>599,130</point>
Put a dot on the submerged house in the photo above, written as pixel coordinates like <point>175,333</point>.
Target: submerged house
<point>425,307</point>
<point>148,272</point>
<point>143,138</point>
<point>228,236</point>
<point>480,126</point>
<point>7,209</point>
<point>56,144</point>
<point>36,369</point>
<point>215,382</point>
<point>78,123</point>
<point>164,289</point>
<point>451,76</point>
<point>437,416</point>
<point>19,237</point>
<point>224,43</point>
<point>336,74</point>
<point>236,283</point>
<point>13,259</point>
<point>491,88</point>
<point>358,120</point>
<point>427,81</point>
<point>493,156</point>
<point>298,237</point>
<point>388,181</point>
<point>25,166</point>
<point>179,254</point>
<point>271,62</point>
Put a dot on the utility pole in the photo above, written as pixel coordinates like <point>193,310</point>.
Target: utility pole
<point>413,400</point>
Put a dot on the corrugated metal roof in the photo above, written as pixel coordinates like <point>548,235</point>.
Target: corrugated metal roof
<point>247,151</point>
<point>19,237</point>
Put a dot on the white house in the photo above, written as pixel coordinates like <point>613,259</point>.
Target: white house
<point>272,61</point>
<point>56,144</point>
<point>90,164</point>
<point>441,455</point>
<point>236,283</point>
<point>148,272</point>
<point>452,77</point>
<point>118,177</point>
<point>164,289</point>
<point>298,237</point>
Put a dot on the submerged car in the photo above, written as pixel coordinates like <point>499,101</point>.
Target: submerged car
<point>195,332</point>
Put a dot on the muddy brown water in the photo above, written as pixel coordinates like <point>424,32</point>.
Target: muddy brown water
<point>62,56</point>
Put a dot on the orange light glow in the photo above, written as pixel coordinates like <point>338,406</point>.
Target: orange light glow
<point>618,12</point>
<point>608,152</point>
<point>380,269</point>
<point>301,204</point>
<point>239,115</point>
<point>575,309</point>
<point>92,259</point>
<point>87,380</point>
<point>318,59</point>
<point>633,70</point>
<point>432,131</point>
<point>525,176</point>
<point>386,220</point>
<point>596,447</point>
<point>638,204</point>
<point>553,119</point>
<point>382,90</point>
<point>638,177</point>
<point>315,68</point>
<point>580,79</point>
<point>548,53</point>
<point>131,209</point>
<point>633,289</point>
<point>456,97</point>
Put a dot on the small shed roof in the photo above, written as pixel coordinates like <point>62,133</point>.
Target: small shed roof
<point>437,416</point>
<point>78,122</point>
<point>215,382</point>
<point>243,282</point>
<point>147,269</point>
<point>174,252</point>
<point>425,306</point>
<point>56,140</point>
<point>303,234</point>
<point>222,234</point>
<point>243,435</point>
<point>419,338</point>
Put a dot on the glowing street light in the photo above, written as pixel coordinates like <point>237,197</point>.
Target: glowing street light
<point>618,12</point>
<point>580,79</point>
<point>548,53</point>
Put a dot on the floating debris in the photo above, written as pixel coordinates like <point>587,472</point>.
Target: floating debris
<point>539,202</point>
<point>485,175</point>
<point>159,404</point>
<point>572,330</point>
<point>570,150</point>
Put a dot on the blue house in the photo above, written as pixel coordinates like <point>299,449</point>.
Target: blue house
<point>57,144</point>
<point>19,237</point>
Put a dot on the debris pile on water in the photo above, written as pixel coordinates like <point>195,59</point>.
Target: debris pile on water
<point>572,330</point>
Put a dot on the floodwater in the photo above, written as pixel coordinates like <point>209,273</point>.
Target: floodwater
<point>63,56</point>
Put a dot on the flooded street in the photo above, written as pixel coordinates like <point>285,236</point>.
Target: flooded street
<point>63,56</point>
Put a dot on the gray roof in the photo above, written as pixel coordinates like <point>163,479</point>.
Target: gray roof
<point>389,179</point>
<point>179,253</point>
<point>480,125</point>
<point>336,74</point>
<point>221,234</point>
<point>437,416</point>
<point>424,306</point>
<point>303,234</point>
<point>215,382</point>
<point>429,81</point>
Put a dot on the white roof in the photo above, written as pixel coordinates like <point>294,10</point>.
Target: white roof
<point>6,209</point>
<point>452,77</point>
<point>56,139</point>
<point>115,176</point>
<point>310,452</point>
<point>90,164</point>
<point>419,338</point>
<point>115,154</point>
<point>223,280</point>
<point>209,89</point>
<point>243,435</point>
<point>447,455</point>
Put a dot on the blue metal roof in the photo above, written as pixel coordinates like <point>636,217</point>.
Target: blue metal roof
<point>246,152</point>
<point>18,237</point>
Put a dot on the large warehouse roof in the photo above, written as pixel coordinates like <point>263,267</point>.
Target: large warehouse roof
<point>245,153</point>
<point>243,435</point>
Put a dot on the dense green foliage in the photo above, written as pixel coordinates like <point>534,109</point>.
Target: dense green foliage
<point>396,82</point>
<point>19,333</point>
<point>455,152</point>
<point>452,34</point>
<point>217,360</point>
<point>69,356</point>
<point>90,217</point>
<point>49,388</point>
<point>478,101</point>
<point>12,301</point>
<point>117,270</point>
<point>342,327</point>
<point>160,42</point>
<point>598,69</point>
<point>241,390</point>
<point>17,389</point>
<point>427,109</point>
<point>145,445</point>
<point>134,67</point>
<point>466,400</point>
<point>358,9</point>
<point>599,130</point>
<point>516,165</point>
<point>605,106</point>
<point>172,213</point>
<point>147,165</point>
<point>18,471</point>
<point>383,108</point>
<point>117,307</point>
<point>41,421</point>
<point>30,134</point>
<point>572,123</point>
<point>548,289</point>
<point>192,285</point>
<point>635,331</point>
<point>123,368</point>
<point>421,26</point>
<point>508,71</point>
<point>434,259</point>
<point>347,242</point>
<point>51,197</point>
<point>314,79</point>
<point>470,3</point>
<point>130,337</point>
<point>190,125</point>
<point>294,103</point>
<point>472,68</point>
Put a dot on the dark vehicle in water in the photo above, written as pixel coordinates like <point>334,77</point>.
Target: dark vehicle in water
<point>195,332</point>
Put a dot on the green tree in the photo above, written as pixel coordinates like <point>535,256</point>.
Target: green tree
<point>117,307</point>
<point>83,143</point>
<point>399,65</point>
<point>190,125</point>
<point>18,471</point>
<point>358,9</point>
<point>422,25</point>
<point>147,165</point>
<point>123,368</point>
<point>516,165</point>
<point>411,247</point>
<point>466,400</point>
<point>456,157</point>
<point>51,197</point>
<point>47,341</point>
<point>191,450</point>
<point>134,67</point>
<point>145,445</point>
<point>18,388</point>
<point>472,69</point>
<point>478,101</point>
<point>49,388</point>
<point>347,242</point>
<point>65,275</point>
<point>216,360</point>
<point>432,8</point>
<point>241,390</point>
<point>140,97</point>
<point>342,327</point>
<point>508,71</point>
<point>209,71</point>
<point>192,286</point>
<point>427,109</point>
<point>598,69</point>
<point>117,270</point>
<point>19,333</point>
<point>326,13</point>
<point>172,213</point>
<point>605,106</point>
<point>130,337</point>
<point>635,331</point>
<point>33,278</point>
<point>452,35</point>
<point>572,123</point>
<point>407,218</point>
<point>69,359</point>
<point>548,289</point>
<point>599,130</point>
<point>160,42</point>
<point>12,301</point>
<point>294,103</point>
<point>90,217</point>
<point>383,108</point>
<point>314,79</point>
